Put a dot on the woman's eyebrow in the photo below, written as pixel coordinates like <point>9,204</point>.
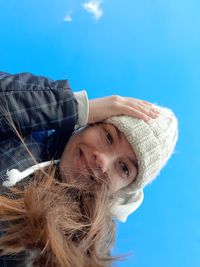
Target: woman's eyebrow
<point>134,162</point>
<point>118,133</point>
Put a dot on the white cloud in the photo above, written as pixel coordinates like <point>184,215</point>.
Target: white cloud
<point>93,6</point>
<point>68,16</point>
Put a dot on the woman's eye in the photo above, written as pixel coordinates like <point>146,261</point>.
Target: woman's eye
<point>124,168</point>
<point>109,137</point>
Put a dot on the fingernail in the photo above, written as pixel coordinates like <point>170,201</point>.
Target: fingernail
<point>155,115</point>
<point>147,119</point>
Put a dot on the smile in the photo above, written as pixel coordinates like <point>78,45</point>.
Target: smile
<point>85,166</point>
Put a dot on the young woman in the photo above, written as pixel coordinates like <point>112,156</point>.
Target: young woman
<point>69,165</point>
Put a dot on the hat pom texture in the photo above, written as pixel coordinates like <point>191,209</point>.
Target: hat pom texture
<point>153,143</point>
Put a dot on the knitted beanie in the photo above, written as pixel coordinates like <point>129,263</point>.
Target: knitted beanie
<point>153,143</point>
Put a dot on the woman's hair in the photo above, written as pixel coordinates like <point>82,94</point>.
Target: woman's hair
<point>64,225</point>
<point>57,223</point>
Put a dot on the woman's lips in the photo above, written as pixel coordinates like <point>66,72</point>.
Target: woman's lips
<point>83,161</point>
<point>84,165</point>
<point>87,171</point>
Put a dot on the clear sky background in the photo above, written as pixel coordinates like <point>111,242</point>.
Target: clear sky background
<point>147,49</point>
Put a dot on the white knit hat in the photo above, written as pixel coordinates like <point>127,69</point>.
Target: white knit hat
<point>153,143</point>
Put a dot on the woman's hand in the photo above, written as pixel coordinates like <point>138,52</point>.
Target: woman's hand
<point>103,108</point>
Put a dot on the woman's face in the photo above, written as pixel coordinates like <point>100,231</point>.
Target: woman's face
<point>100,151</point>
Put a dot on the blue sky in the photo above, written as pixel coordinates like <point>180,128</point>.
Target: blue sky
<point>144,49</point>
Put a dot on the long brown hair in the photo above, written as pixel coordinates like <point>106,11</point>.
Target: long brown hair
<point>64,225</point>
<point>61,224</point>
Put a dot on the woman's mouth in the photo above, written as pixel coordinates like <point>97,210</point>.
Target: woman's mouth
<point>84,166</point>
<point>82,160</point>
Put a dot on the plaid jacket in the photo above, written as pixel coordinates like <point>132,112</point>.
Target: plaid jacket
<point>45,113</point>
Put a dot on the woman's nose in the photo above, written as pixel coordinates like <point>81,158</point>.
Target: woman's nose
<point>101,161</point>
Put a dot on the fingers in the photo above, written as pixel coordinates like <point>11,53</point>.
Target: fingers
<point>133,112</point>
<point>117,105</point>
<point>141,109</point>
<point>143,103</point>
<point>147,110</point>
